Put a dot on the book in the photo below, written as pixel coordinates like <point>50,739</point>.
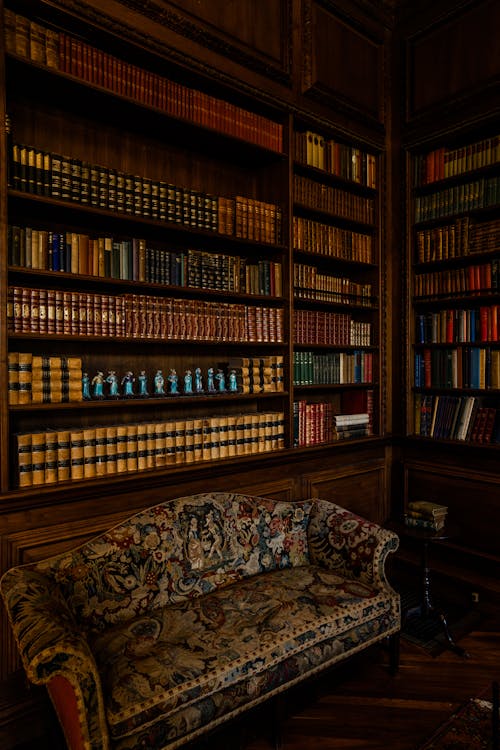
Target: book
<point>424,523</point>
<point>427,508</point>
<point>76,454</point>
<point>24,460</point>
<point>111,449</point>
<point>38,456</point>
<point>51,455</point>
<point>63,455</point>
<point>89,453</point>
<point>121,448</point>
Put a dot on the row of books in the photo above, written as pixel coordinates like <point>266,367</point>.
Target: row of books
<point>457,240</point>
<point>351,426</point>
<point>47,457</point>
<point>70,179</point>
<point>333,200</point>
<point>35,379</point>
<point>312,423</point>
<point>450,326</point>
<point>309,283</point>
<point>323,239</point>
<point>315,424</point>
<point>461,367</point>
<point>456,418</point>
<point>133,260</point>
<point>458,199</point>
<point>342,160</point>
<point>328,328</point>
<point>480,277</point>
<point>54,311</point>
<point>332,368</point>
<point>258,374</point>
<point>444,162</point>
<point>59,51</point>
<point>425,514</point>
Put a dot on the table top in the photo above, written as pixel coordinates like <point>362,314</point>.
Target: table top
<point>422,534</point>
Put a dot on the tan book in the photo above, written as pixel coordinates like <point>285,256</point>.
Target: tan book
<point>215,438</point>
<point>254,433</point>
<point>38,450</point>
<point>169,430</point>
<point>197,439</point>
<point>207,439</point>
<point>51,441</point>
<point>52,48</point>
<point>223,436</point>
<point>231,435</point>
<point>142,446</point>
<point>240,434</point>
<point>121,448</point>
<point>189,441</point>
<point>111,449</point>
<point>37,43</point>
<point>161,444</point>
<point>25,471</point>
<point>10,31</point>
<point>25,377</point>
<point>76,453</point>
<point>63,456</point>
<point>89,437</point>
<point>100,451</point>
<point>150,445</point>
<point>268,431</point>
<point>13,376</point>
<point>131,447</point>
<point>180,441</point>
<point>22,36</point>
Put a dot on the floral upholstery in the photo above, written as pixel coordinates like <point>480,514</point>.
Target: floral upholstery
<point>196,609</point>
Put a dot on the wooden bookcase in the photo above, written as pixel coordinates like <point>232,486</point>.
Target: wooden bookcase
<point>455,289</point>
<point>153,222</point>
<point>335,287</point>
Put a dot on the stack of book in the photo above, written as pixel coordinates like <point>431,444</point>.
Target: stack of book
<point>425,514</point>
<point>351,426</point>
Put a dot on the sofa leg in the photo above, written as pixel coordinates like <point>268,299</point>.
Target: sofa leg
<point>394,643</point>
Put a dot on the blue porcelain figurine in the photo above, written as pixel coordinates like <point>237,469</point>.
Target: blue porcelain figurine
<point>159,383</point>
<point>128,381</point>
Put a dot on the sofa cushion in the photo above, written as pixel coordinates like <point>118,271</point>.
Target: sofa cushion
<point>167,673</point>
<point>179,549</point>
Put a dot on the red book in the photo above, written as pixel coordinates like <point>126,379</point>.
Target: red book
<point>427,368</point>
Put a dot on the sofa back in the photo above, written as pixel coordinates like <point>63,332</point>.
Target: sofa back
<point>181,548</point>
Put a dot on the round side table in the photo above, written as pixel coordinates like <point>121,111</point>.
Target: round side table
<point>426,608</point>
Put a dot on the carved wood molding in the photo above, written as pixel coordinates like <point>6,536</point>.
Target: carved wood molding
<point>311,83</point>
<point>175,22</point>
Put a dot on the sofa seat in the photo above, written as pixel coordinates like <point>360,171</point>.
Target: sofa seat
<point>167,673</point>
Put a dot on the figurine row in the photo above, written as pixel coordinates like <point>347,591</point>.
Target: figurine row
<point>102,386</point>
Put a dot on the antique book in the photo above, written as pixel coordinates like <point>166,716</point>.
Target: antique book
<point>25,470</point>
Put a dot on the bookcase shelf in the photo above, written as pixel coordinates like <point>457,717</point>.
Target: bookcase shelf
<point>455,294</point>
<point>152,218</point>
<point>335,288</point>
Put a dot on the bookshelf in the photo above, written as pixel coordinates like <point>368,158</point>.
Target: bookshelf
<point>165,307</point>
<point>455,291</point>
<point>335,288</point>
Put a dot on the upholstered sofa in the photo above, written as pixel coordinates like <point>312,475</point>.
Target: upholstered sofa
<point>195,610</point>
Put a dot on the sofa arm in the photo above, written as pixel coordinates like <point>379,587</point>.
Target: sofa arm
<point>343,541</point>
<point>54,648</point>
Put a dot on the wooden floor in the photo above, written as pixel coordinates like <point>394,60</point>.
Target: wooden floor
<point>361,707</point>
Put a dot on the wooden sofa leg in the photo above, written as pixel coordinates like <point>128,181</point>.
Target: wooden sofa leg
<point>394,644</point>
